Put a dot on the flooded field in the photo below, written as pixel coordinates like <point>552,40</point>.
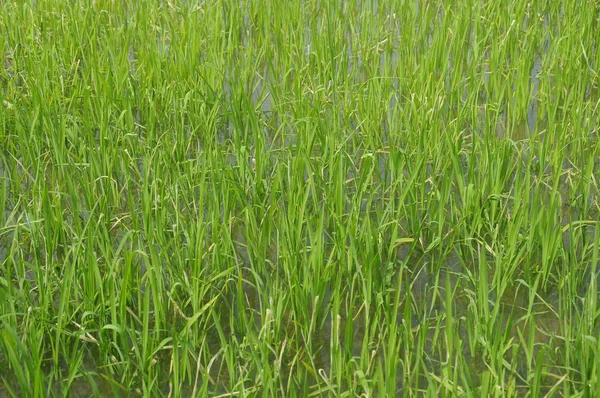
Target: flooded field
<point>304,198</point>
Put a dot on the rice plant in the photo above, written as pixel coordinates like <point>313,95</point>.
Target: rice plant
<point>300,198</point>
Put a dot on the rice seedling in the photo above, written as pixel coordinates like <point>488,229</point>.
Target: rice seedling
<point>301,198</point>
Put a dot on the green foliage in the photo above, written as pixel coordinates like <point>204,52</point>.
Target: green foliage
<point>299,198</point>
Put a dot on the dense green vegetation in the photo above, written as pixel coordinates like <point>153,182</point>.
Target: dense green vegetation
<point>299,198</point>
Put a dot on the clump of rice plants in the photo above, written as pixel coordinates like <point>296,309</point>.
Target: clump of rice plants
<point>300,198</point>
